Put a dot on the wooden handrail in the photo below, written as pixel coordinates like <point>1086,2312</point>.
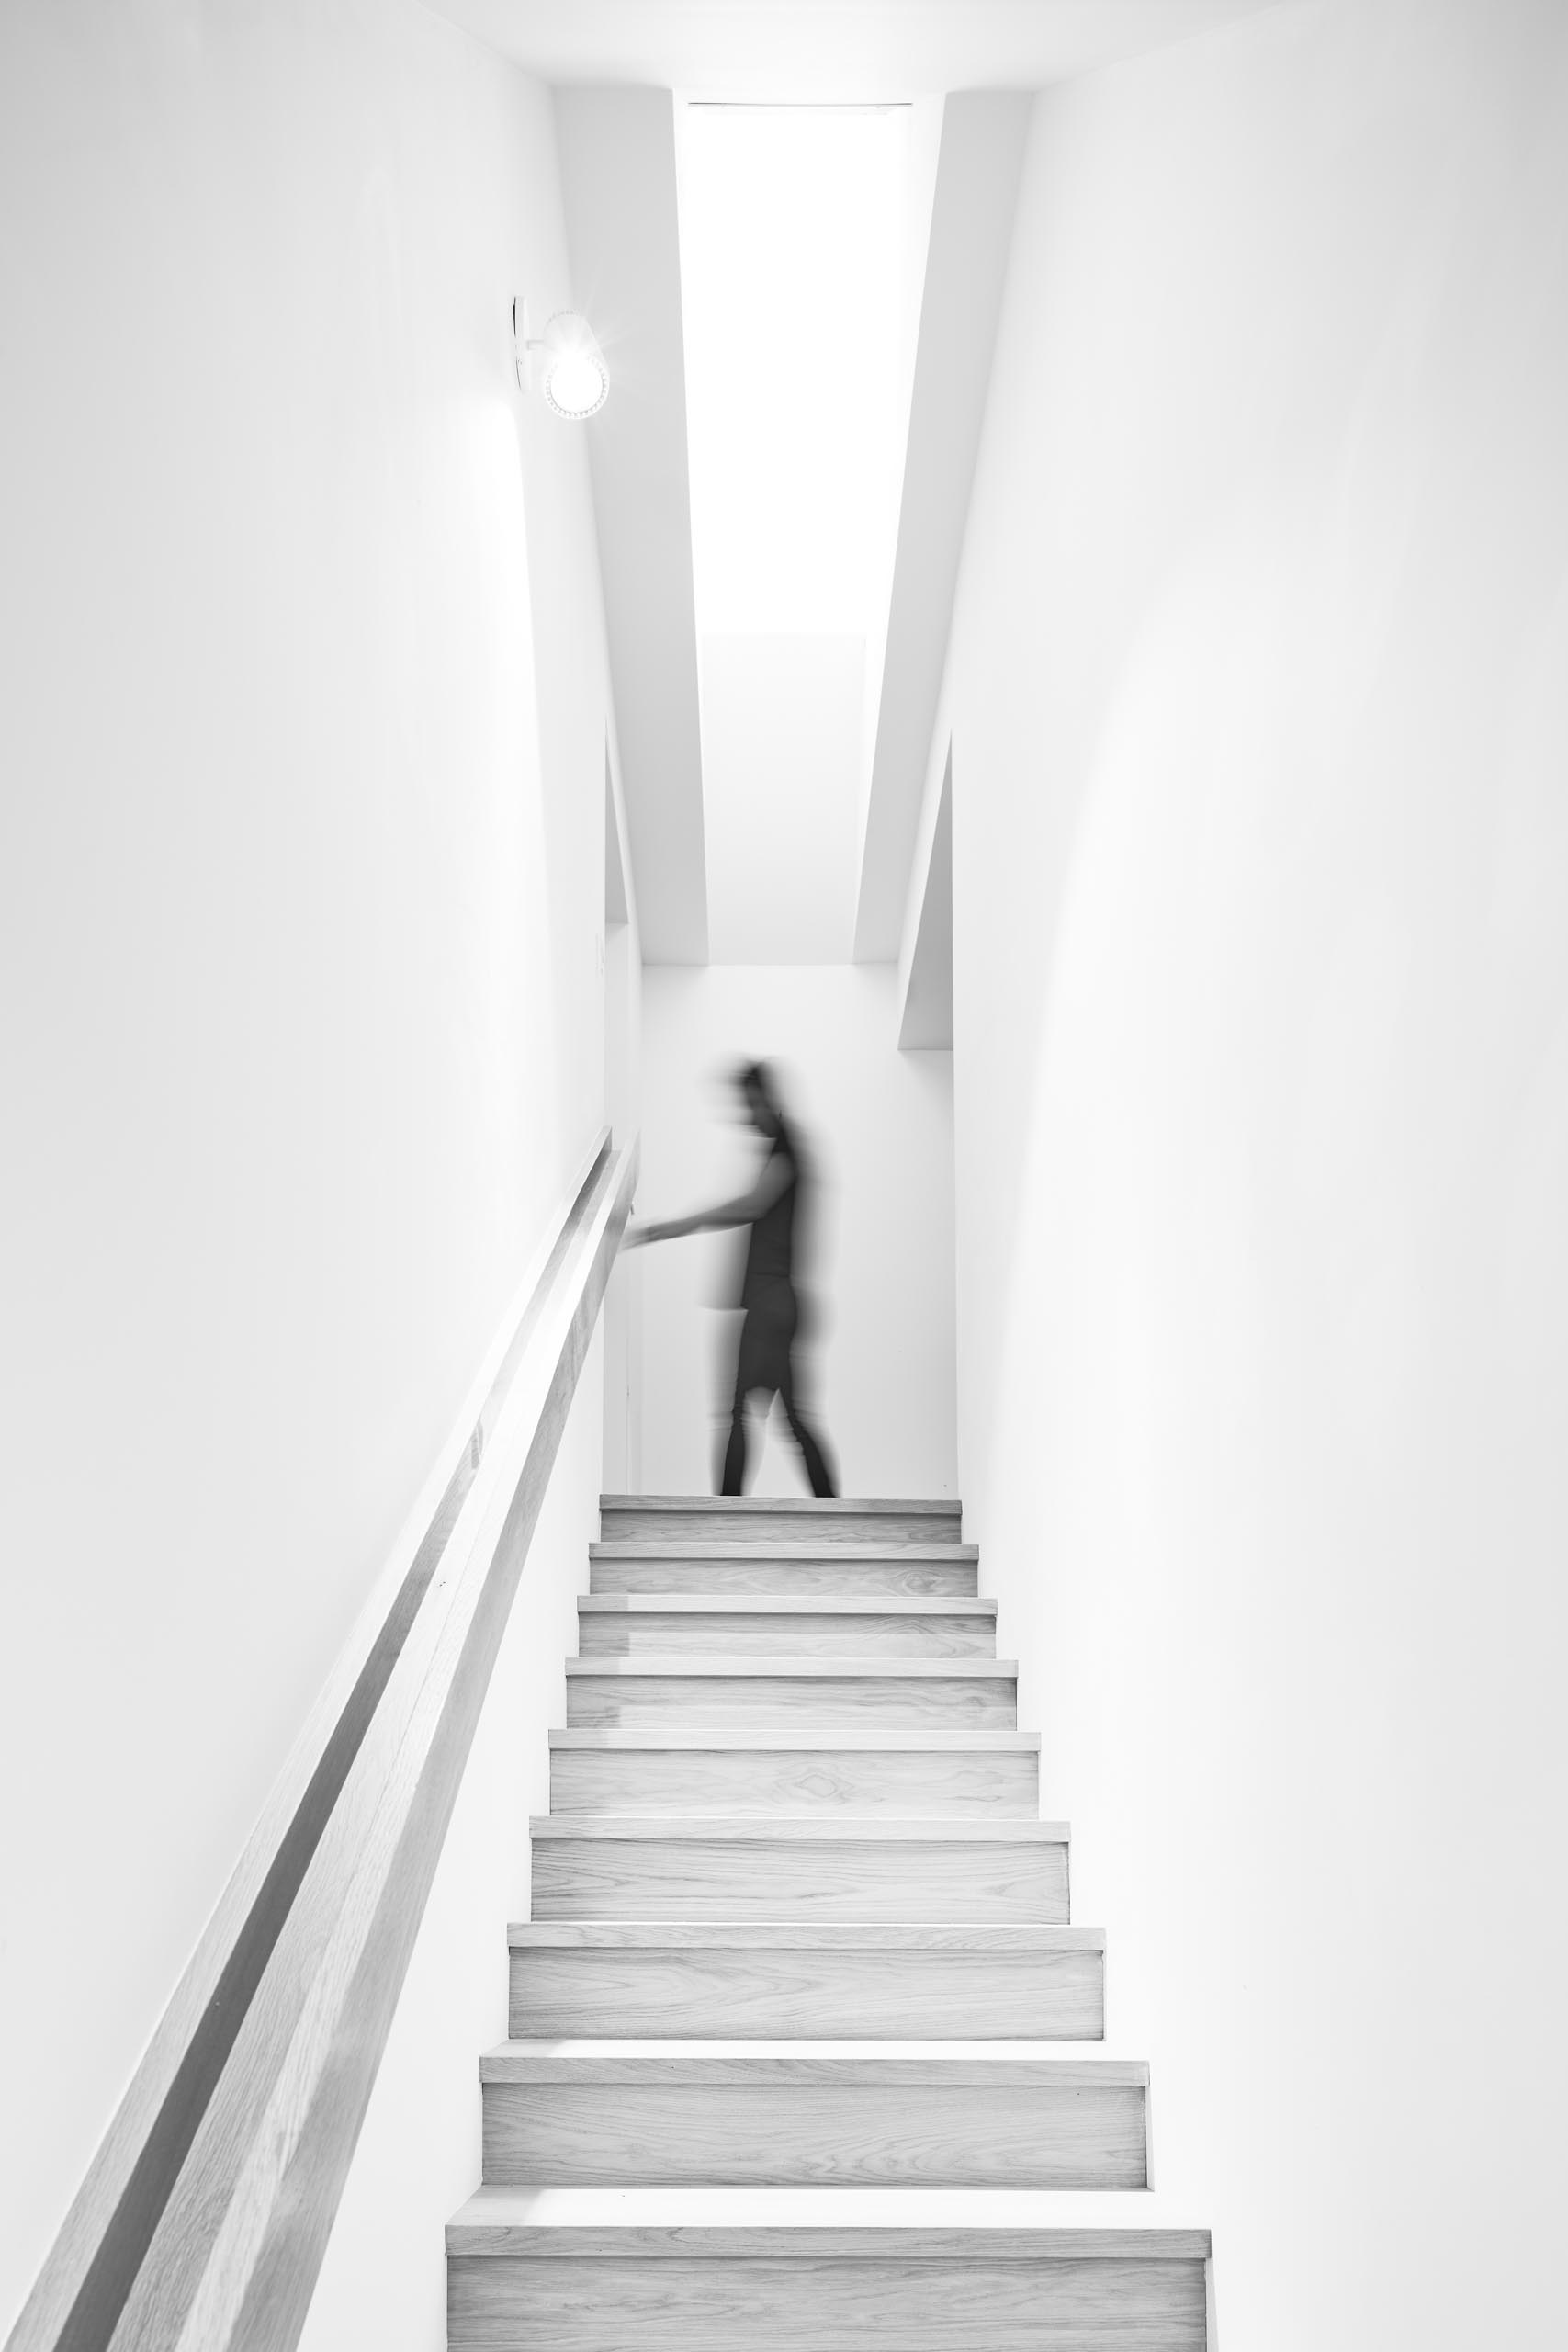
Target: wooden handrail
<point>204,2218</point>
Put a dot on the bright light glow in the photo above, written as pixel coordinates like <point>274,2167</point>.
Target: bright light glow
<point>574,385</point>
<point>572,376</point>
<point>795,262</point>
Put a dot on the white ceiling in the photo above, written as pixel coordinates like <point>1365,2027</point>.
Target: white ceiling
<point>830,48</point>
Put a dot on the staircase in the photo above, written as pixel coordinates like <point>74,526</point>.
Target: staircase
<point>797,2020</point>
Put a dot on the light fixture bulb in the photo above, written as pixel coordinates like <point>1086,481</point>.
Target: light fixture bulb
<point>574,386</point>
<point>573,376</point>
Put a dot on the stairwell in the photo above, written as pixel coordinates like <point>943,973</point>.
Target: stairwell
<point>798,2023</point>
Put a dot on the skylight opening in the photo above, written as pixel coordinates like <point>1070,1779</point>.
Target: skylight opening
<point>796,278</point>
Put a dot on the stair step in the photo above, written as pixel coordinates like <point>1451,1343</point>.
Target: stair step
<point>726,1867</point>
<point>684,2114</point>
<point>603,1692</point>
<point>653,1567</point>
<point>744,1519</point>
<point>752,1626</point>
<point>837,1771</point>
<point>947,2284</point>
<point>822,1980</point>
<point>793,1818</point>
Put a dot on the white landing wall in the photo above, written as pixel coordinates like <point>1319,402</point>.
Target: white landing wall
<point>1259,699</point>
<point>301,871</point>
<point>881,1123</point>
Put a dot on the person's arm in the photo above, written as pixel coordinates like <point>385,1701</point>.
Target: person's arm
<point>774,1180</point>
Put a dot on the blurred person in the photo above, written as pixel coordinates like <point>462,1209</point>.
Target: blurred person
<point>777,1209</point>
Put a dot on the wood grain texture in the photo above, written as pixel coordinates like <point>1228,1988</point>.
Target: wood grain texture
<point>660,2065</point>
<point>927,1991</point>
<point>925,1738</point>
<point>909,1781</point>
<point>916,1568</point>
<point>729,1877</point>
<point>797,1935</point>
<point>817,1669</point>
<point>684,2120</point>
<point>633,1625</point>
<point>609,1691</point>
<point>500,2223</point>
<point>701,1829</point>
<point>972,2301</point>
<point>203,2220</point>
<point>704,1519</point>
<point>832,1605</point>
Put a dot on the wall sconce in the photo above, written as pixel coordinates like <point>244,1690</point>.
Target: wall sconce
<point>565,363</point>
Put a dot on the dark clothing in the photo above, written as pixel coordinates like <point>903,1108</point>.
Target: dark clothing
<point>767,1338</point>
<point>766,1357</point>
<point>770,1254</point>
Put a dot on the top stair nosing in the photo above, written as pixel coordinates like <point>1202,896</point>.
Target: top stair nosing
<point>827,1507</point>
<point>740,1520</point>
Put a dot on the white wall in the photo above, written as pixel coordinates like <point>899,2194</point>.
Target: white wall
<point>622,1466</point>
<point>881,1123</point>
<point>782,726</point>
<point>299,884</point>
<point>1258,695</point>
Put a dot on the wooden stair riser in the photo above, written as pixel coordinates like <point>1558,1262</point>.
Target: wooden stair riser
<point>945,1703</point>
<point>902,1783</point>
<point>641,1520</point>
<point>770,2123</point>
<point>908,1575</point>
<point>718,1633</point>
<point>821,1996</point>
<point>837,2290</point>
<point>636,1878</point>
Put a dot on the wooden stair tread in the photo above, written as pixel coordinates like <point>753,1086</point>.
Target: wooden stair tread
<point>990,2066</point>
<point>797,1935</point>
<point>693,1548</point>
<point>724,1828</point>
<point>788,1740</point>
<point>781,1604</point>
<point>822,2225</point>
<point>743,1506</point>
<point>801,1668</point>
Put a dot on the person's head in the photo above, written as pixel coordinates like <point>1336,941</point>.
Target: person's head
<point>758,1092</point>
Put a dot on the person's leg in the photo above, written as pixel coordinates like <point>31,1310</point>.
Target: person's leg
<point>819,1469</point>
<point>732,1478</point>
<point>749,1347</point>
